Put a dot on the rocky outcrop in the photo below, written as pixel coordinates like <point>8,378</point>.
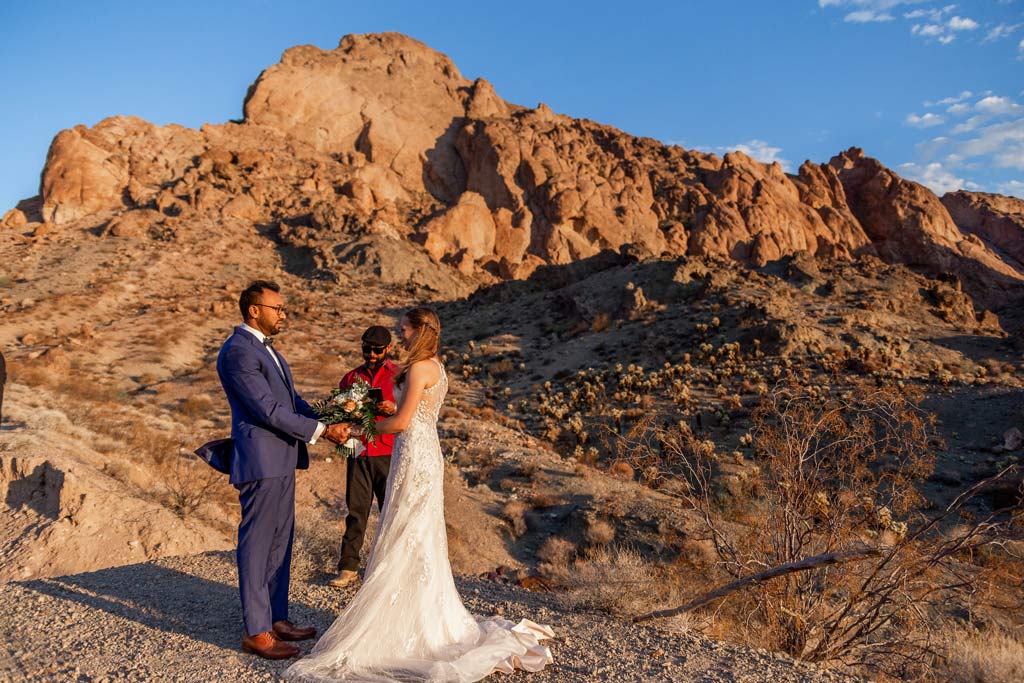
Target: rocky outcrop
<point>908,224</point>
<point>384,130</point>
<point>121,161</point>
<point>58,521</point>
<point>386,96</point>
<point>994,218</point>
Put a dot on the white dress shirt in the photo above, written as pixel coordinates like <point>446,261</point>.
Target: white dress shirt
<point>320,426</point>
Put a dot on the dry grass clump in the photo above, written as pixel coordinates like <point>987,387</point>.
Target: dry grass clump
<point>555,556</point>
<point>598,532</point>
<point>196,406</point>
<point>544,499</point>
<point>991,657</point>
<point>514,512</point>
<point>620,581</point>
<point>620,469</point>
<point>527,469</point>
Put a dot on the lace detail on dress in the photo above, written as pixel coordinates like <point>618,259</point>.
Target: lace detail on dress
<point>407,623</point>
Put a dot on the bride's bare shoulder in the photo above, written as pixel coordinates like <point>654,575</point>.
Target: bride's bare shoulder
<point>428,369</point>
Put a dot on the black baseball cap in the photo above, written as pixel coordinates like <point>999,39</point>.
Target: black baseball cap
<point>377,336</point>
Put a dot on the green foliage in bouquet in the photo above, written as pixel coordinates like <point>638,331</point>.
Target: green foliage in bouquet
<point>352,405</point>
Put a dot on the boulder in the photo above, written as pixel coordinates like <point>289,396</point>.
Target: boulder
<point>14,218</point>
<point>466,229</point>
<point>385,95</point>
<point>242,207</point>
<point>997,219</point>
<point>132,223</point>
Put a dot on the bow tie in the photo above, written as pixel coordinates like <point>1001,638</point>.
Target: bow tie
<point>268,341</point>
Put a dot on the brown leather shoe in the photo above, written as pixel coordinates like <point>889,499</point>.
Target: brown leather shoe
<point>268,646</point>
<point>346,578</point>
<point>286,630</point>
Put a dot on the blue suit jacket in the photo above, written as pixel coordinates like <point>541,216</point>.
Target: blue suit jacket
<point>270,423</point>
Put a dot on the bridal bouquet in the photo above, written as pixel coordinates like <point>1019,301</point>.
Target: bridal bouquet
<point>355,405</point>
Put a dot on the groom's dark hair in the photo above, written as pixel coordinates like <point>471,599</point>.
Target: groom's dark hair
<point>251,293</point>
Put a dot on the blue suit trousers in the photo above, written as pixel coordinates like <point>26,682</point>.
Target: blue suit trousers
<point>265,550</point>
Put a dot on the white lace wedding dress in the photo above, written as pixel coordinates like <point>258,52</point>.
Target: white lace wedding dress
<point>407,623</point>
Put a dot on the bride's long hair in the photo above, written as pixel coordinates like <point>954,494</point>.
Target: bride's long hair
<point>425,341</point>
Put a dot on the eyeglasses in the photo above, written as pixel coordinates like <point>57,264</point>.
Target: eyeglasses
<point>280,309</point>
<point>377,350</point>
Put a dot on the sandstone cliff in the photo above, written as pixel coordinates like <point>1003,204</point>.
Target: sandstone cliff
<point>383,139</point>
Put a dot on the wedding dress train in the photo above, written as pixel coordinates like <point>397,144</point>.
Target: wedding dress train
<point>407,623</point>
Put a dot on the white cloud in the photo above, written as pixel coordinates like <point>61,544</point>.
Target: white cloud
<point>1003,30</point>
<point>934,176</point>
<point>867,16</point>
<point>989,143</point>
<point>997,106</point>
<point>932,23</point>
<point>969,125</point>
<point>964,95</point>
<point>1013,188</point>
<point>760,150</point>
<point>962,24</point>
<point>925,121</point>
<point>934,15</point>
<point>927,30</point>
<point>1002,142</point>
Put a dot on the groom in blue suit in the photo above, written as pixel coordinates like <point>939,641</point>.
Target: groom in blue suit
<point>270,428</point>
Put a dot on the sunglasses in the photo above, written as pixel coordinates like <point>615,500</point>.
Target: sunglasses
<point>367,348</point>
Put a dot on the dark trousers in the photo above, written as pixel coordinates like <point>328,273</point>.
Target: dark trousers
<point>366,477</point>
<point>265,550</point>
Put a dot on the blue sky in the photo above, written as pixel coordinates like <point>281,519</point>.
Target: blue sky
<point>934,90</point>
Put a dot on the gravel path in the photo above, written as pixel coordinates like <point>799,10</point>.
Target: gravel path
<point>178,619</point>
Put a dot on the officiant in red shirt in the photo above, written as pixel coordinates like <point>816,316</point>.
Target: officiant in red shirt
<point>367,473</point>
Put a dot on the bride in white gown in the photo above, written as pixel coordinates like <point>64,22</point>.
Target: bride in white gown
<point>407,623</point>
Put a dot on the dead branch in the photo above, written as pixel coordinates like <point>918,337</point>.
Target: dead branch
<point>768,574</point>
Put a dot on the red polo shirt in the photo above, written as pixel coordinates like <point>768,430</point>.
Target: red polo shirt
<point>384,379</point>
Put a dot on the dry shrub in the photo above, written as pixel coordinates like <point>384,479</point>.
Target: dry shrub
<point>555,556</point>
<point>527,469</point>
<point>190,483</point>
<point>500,368</point>
<point>598,532</point>
<point>31,374</point>
<point>619,581</point>
<point>544,499</point>
<point>514,513</point>
<point>866,572</point>
<point>620,469</point>
<point>993,657</point>
<point>601,322</point>
<point>196,406</point>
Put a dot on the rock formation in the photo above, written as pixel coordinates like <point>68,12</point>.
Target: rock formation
<point>383,135</point>
<point>994,218</point>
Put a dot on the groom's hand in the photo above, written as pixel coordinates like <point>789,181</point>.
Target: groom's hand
<point>338,433</point>
<point>386,408</point>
